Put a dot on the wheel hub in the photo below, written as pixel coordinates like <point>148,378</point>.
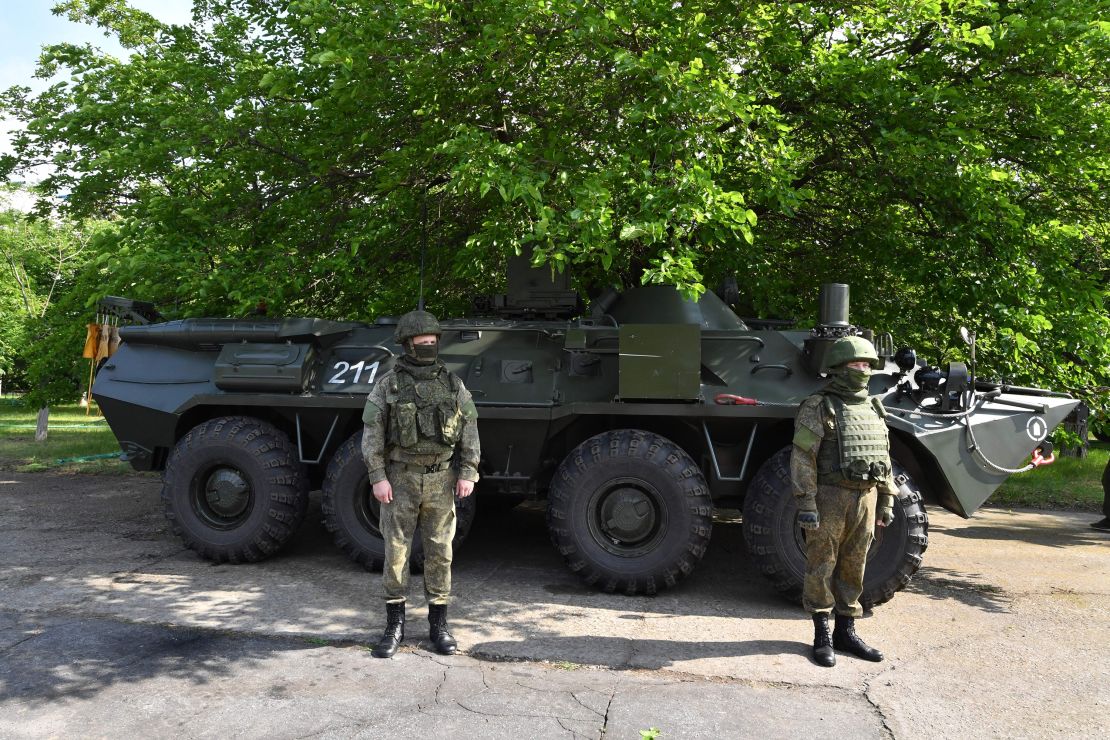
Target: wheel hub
<point>628,515</point>
<point>227,494</point>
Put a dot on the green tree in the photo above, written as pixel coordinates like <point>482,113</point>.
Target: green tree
<point>948,159</point>
<point>39,261</point>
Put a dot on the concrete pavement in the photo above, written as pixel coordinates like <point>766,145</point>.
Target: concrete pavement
<point>109,626</point>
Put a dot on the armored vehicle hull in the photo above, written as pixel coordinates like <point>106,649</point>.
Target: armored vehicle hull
<point>634,424</point>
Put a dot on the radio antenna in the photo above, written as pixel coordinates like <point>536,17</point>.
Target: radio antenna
<point>423,244</point>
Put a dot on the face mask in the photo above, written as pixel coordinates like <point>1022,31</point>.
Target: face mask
<point>424,354</point>
<point>849,383</point>
<point>856,379</point>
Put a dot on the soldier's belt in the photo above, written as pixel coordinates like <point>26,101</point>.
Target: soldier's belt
<point>421,468</point>
<point>855,485</point>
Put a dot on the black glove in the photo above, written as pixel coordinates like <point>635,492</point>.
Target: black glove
<point>809,519</point>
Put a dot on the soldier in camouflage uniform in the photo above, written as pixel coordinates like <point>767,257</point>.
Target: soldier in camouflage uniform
<point>421,449</point>
<point>841,474</point>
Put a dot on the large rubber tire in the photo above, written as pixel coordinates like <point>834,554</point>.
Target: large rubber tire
<point>351,511</point>
<point>777,544</point>
<point>630,511</point>
<point>234,489</point>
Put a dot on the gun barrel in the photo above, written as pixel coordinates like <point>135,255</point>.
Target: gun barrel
<point>194,333</point>
<point>190,333</point>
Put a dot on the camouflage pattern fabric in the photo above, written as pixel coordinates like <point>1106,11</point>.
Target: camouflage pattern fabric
<point>860,454</point>
<point>836,552</point>
<point>813,427</point>
<point>374,444</point>
<point>420,499</point>
<point>426,500</point>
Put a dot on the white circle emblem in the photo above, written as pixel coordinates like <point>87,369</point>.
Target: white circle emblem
<point>1036,428</point>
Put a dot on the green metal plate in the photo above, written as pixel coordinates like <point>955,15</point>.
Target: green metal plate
<point>660,361</point>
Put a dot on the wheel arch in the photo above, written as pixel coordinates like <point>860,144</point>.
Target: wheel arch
<point>687,433</point>
<point>314,449</point>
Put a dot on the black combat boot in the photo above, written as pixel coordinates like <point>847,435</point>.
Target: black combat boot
<point>441,639</point>
<point>822,641</point>
<point>394,630</point>
<point>846,639</point>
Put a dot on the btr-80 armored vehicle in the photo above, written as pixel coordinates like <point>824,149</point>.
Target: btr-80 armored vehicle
<point>633,420</point>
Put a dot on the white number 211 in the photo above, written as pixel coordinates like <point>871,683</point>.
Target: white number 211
<point>342,368</point>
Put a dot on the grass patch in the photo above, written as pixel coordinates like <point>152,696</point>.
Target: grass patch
<point>72,433</point>
<point>1069,483</point>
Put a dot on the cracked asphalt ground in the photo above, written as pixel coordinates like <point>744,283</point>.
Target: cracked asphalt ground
<point>109,627</point>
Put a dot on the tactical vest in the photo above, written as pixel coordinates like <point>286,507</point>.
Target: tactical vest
<point>857,453</point>
<point>424,414</point>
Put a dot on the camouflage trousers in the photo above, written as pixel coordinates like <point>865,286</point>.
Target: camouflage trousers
<point>427,501</point>
<point>836,552</point>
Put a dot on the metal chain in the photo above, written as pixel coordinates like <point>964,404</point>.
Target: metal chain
<point>975,449</point>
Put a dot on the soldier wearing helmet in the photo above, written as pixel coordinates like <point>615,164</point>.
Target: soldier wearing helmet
<point>421,449</point>
<point>841,475</point>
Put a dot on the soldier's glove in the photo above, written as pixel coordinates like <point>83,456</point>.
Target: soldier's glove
<point>808,517</point>
<point>884,515</point>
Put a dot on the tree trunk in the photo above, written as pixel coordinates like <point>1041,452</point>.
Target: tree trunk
<point>1076,422</point>
<point>40,430</point>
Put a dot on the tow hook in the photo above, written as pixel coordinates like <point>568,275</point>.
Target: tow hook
<point>729,399</point>
<point>1039,459</point>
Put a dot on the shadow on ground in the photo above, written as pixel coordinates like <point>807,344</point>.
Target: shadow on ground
<point>1005,525</point>
<point>51,659</point>
<point>970,589</point>
<point>640,654</point>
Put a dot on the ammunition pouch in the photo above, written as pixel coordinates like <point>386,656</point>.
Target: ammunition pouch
<point>424,416</point>
<point>861,470</point>
<point>450,423</point>
<point>403,424</point>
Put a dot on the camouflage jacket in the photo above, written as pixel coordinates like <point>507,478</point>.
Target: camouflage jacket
<point>811,426</point>
<point>376,447</point>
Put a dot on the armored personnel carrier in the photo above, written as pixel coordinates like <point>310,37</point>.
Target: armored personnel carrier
<point>633,420</point>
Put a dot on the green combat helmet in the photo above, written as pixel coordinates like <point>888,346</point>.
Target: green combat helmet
<point>847,349</point>
<point>416,323</point>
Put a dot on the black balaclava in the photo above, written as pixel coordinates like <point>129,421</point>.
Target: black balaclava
<point>421,354</point>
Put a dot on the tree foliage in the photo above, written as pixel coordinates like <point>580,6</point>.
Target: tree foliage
<point>48,279</point>
<point>948,159</point>
<point>40,261</point>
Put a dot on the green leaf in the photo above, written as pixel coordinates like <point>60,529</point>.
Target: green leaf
<point>633,231</point>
